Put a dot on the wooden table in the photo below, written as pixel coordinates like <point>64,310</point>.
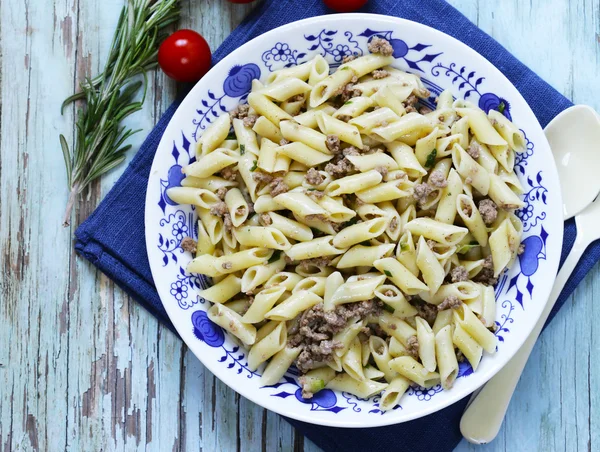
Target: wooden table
<point>84,368</point>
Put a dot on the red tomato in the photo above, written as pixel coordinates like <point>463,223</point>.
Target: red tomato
<point>345,6</point>
<point>184,56</point>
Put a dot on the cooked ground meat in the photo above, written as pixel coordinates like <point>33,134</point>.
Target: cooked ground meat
<point>459,356</point>
<point>250,120</point>
<point>521,249</point>
<point>425,310</point>
<point>241,210</point>
<point>431,244</point>
<point>219,209</point>
<point>229,173</point>
<point>486,275</point>
<point>458,274</point>
<point>317,327</point>
<point>316,216</point>
<point>240,112</point>
<point>188,244</point>
<point>412,347</point>
<point>409,103</point>
<point>382,170</point>
<point>227,223</point>
<point>348,92</point>
<point>339,169</point>
<point>381,46</point>
<point>488,211</point>
<point>278,186</point>
<point>226,265</point>
<point>474,149</point>
<point>344,118</point>
<point>467,209</point>
<point>378,74</point>
<point>316,353</point>
<point>262,177</point>
<point>221,192</point>
<point>351,150</point>
<point>315,194</point>
<point>451,302</point>
<point>389,293</point>
<point>424,110</point>
<point>437,179</point>
<point>265,219</point>
<point>333,144</point>
<point>348,58</point>
<point>321,262</point>
<point>393,224</point>
<point>296,98</point>
<point>283,142</point>
<point>421,192</point>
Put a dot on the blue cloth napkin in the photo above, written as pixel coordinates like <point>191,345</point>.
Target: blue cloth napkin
<point>107,241</point>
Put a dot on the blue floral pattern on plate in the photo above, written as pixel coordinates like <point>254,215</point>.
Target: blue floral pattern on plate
<point>335,45</point>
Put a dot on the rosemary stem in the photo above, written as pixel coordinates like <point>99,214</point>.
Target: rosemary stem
<point>72,196</point>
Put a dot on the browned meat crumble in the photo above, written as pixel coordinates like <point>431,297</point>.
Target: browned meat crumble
<point>278,186</point>
<point>229,173</point>
<point>424,110</point>
<point>437,179</point>
<point>421,192</point>
<point>188,244</point>
<point>339,169</point>
<point>378,74</point>
<point>250,120</point>
<point>486,275</point>
<point>521,249</point>
<point>474,149</point>
<point>317,327</point>
<point>412,347</point>
<point>333,144</point>
<point>221,192</point>
<point>240,112</point>
<point>265,219</point>
<point>488,211</point>
<point>381,46</point>
<point>451,302</point>
<point>382,170</point>
<point>425,310</point>
<point>409,103</point>
<point>458,274</point>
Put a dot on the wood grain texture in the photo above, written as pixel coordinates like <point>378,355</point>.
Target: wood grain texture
<point>83,367</point>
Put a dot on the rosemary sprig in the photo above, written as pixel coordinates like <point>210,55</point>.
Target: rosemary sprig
<point>111,96</point>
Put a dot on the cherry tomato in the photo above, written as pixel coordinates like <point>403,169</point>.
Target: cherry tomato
<point>184,56</point>
<point>345,6</point>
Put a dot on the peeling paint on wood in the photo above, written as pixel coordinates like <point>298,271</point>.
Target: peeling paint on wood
<point>83,367</point>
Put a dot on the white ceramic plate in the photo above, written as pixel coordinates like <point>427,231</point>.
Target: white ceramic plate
<point>443,62</point>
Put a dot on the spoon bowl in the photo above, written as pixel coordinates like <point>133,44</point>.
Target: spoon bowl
<point>574,137</point>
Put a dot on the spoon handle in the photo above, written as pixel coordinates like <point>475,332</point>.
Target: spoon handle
<point>482,420</point>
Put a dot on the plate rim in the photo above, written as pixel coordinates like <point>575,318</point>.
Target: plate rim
<point>377,421</point>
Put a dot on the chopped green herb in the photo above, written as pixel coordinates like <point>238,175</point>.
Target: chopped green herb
<point>254,166</point>
<point>311,189</point>
<point>502,107</point>
<point>465,248</point>
<point>317,385</point>
<point>350,222</point>
<point>431,159</point>
<point>275,256</point>
<point>344,68</point>
<point>387,273</point>
<point>388,308</point>
<point>242,149</point>
<point>348,103</point>
<point>231,136</point>
<point>404,246</point>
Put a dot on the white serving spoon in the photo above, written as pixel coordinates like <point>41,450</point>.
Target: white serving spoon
<point>574,137</point>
